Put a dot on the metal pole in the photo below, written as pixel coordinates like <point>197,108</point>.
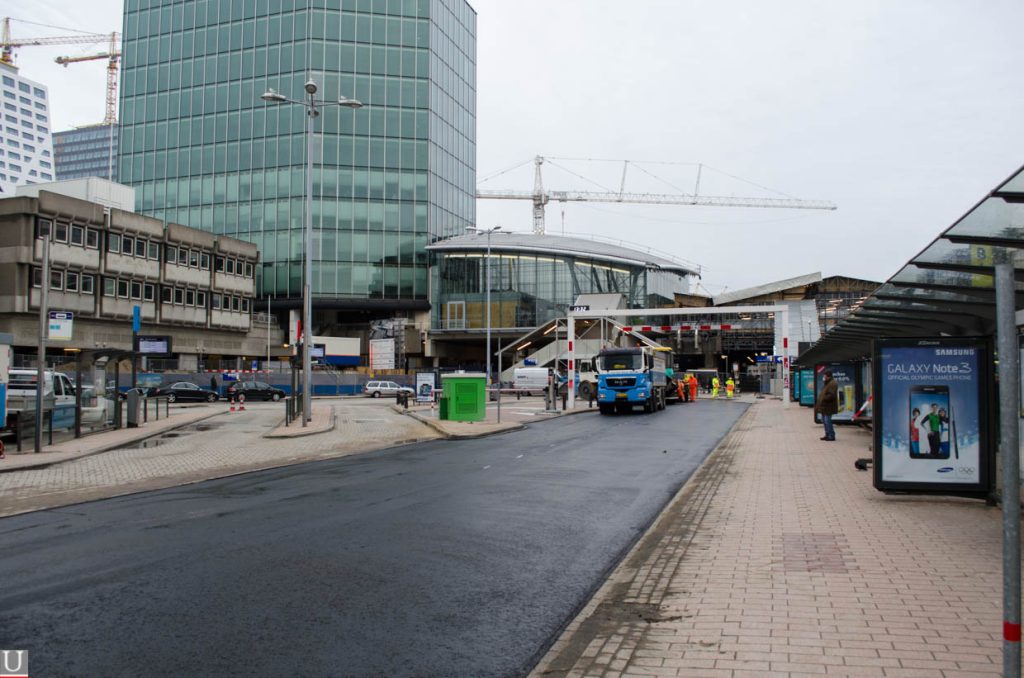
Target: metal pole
<point>570,370</point>
<point>1009,449</point>
<point>499,380</point>
<point>45,229</point>
<point>487,292</point>
<point>307,302</point>
<point>268,332</point>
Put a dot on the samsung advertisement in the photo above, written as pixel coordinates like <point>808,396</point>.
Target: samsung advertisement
<point>931,414</point>
<point>846,376</point>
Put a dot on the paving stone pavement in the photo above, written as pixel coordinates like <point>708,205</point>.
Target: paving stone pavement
<point>778,558</point>
<point>224,445</point>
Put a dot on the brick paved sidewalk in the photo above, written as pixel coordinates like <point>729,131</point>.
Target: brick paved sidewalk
<point>780,559</point>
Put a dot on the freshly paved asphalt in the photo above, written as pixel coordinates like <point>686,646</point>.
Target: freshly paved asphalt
<point>444,558</point>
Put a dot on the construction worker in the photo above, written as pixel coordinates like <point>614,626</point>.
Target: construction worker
<point>693,388</point>
<point>681,389</point>
<point>715,383</point>
<point>730,386</point>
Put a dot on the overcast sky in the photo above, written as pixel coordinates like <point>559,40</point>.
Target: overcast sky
<point>902,113</point>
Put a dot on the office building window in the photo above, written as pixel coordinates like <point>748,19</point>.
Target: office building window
<point>87,284</point>
<point>113,242</point>
<point>77,235</point>
<point>92,238</point>
<point>56,280</point>
<point>71,282</point>
<point>109,287</point>
<point>148,292</point>
<point>122,288</point>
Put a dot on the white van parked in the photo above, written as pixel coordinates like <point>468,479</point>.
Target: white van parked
<point>530,380</point>
<point>58,395</point>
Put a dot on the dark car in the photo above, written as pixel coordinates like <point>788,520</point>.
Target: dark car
<point>186,391</point>
<point>256,390</point>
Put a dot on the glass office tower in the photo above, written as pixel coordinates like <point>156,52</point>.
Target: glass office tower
<point>203,150</point>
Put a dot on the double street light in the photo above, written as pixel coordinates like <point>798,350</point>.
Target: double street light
<point>312,106</point>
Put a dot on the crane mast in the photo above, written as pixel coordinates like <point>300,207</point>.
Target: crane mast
<point>113,55</point>
<point>541,197</point>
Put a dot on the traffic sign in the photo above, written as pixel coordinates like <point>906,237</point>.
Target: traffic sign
<point>60,325</point>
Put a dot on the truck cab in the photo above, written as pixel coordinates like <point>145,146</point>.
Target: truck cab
<point>631,377</point>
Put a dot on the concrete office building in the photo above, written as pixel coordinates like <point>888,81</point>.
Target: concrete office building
<point>201,148</point>
<point>190,285</point>
<point>26,148</point>
<point>89,151</point>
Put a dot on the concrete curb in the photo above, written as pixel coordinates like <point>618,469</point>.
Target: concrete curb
<point>456,436</point>
<point>105,448</point>
<point>300,433</point>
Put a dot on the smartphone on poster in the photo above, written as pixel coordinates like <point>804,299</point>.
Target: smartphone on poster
<point>931,422</point>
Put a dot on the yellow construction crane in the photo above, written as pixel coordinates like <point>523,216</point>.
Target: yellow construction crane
<point>8,44</point>
<point>540,196</point>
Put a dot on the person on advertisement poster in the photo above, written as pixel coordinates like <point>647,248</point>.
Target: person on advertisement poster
<point>827,405</point>
<point>931,419</point>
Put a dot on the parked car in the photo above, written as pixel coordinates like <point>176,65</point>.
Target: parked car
<point>376,389</point>
<point>256,390</point>
<point>96,410</point>
<point>186,391</point>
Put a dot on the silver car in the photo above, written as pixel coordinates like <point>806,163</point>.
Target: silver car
<point>376,389</point>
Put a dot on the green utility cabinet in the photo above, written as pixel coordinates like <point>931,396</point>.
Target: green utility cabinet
<point>466,394</point>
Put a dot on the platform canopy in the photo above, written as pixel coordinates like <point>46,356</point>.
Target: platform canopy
<point>946,289</point>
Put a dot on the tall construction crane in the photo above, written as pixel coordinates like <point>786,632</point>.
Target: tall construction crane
<point>113,54</point>
<point>540,197</point>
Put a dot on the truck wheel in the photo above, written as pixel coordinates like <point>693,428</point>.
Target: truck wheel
<point>606,409</point>
<point>586,390</point>
<point>649,405</point>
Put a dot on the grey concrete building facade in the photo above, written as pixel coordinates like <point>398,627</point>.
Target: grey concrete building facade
<point>189,284</point>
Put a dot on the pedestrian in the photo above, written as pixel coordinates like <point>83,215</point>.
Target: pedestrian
<point>714,386</point>
<point>213,384</point>
<point>681,389</point>
<point>693,388</point>
<point>827,405</point>
<point>730,386</point>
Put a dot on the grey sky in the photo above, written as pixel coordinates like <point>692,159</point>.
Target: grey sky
<point>903,113</point>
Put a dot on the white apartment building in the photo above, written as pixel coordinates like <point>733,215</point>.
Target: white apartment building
<point>26,145</point>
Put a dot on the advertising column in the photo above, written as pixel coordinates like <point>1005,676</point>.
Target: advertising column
<point>931,407</point>
<point>846,376</point>
<point>807,388</point>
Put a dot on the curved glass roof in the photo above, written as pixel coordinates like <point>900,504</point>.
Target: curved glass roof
<point>555,245</point>
<point>947,289</point>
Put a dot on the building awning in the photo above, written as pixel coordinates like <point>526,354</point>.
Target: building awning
<point>947,289</point>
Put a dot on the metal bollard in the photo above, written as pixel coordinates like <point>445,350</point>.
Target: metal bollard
<point>19,429</point>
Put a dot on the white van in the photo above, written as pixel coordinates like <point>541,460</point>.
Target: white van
<point>58,394</point>
<point>530,380</point>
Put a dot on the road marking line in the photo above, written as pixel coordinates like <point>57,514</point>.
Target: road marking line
<point>487,467</point>
<point>519,457</point>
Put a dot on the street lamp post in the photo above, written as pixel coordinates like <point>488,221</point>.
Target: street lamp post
<point>312,106</point>
<point>487,293</point>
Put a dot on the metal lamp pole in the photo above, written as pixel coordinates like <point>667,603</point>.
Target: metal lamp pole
<point>311,105</point>
<point>487,295</point>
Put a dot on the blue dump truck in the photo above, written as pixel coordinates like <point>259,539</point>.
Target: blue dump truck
<point>632,377</point>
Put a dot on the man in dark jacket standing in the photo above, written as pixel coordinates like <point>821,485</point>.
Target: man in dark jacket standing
<point>828,404</point>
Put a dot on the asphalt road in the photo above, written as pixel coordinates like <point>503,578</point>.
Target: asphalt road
<point>443,558</point>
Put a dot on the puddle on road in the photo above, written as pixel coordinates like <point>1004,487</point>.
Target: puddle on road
<point>158,440</point>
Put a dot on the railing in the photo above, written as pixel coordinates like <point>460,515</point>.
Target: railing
<point>292,408</point>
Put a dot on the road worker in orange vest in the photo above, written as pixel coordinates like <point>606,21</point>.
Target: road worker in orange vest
<point>730,387</point>
<point>681,388</point>
<point>693,388</point>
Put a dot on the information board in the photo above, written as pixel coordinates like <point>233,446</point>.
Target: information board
<point>807,388</point>
<point>932,418</point>
<point>155,346</point>
<point>425,385</point>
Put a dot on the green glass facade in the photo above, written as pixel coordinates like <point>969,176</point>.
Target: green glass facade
<point>203,150</point>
